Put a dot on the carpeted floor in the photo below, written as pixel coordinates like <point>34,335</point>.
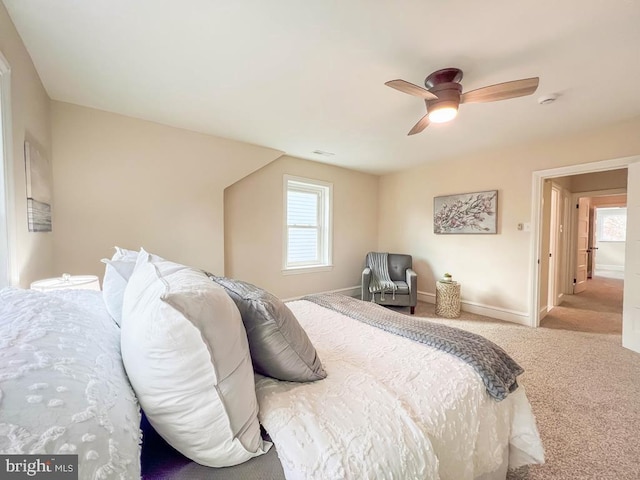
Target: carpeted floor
<point>598,309</point>
<point>585,392</point>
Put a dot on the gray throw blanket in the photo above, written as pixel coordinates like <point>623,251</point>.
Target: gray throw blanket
<point>380,279</point>
<point>496,368</point>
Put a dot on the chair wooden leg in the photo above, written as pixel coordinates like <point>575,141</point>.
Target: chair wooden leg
<point>413,310</point>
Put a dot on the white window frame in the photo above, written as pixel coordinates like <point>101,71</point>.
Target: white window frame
<point>325,222</point>
<point>7,245</point>
<point>602,212</point>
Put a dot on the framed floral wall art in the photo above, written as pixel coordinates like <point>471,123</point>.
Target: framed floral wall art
<point>466,213</point>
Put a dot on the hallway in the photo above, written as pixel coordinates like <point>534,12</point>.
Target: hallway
<point>598,309</point>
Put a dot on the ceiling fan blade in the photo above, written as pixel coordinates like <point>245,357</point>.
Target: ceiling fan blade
<point>411,89</point>
<point>420,126</point>
<point>501,91</point>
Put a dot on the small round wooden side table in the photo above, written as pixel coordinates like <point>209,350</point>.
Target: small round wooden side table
<point>448,299</point>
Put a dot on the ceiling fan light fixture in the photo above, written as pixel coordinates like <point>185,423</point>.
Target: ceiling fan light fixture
<point>442,114</point>
<point>445,107</point>
<point>443,94</point>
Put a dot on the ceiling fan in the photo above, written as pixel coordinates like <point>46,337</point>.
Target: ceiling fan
<point>443,94</point>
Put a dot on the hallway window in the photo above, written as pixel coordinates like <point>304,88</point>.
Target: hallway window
<point>611,224</point>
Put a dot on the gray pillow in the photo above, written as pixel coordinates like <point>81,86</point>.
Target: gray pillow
<point>279,346</point>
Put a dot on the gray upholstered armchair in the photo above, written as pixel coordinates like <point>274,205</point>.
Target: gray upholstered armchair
<point>402,274</point>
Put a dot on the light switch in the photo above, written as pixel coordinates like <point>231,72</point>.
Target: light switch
<point>524,227</point>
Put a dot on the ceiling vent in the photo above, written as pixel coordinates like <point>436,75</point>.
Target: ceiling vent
<point>547,99</point>
<point>323,153</point>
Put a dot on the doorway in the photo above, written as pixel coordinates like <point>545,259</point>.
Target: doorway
<point>598,242</point>
<point>595,301</point>
<point>540,274</point>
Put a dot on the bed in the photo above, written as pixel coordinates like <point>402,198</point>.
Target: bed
<point>389,407</point>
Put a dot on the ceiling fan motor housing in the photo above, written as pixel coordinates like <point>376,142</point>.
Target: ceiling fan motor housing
<point>448,96</point>
<point>444,75</point>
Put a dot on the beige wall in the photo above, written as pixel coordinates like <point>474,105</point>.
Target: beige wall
<point>610,256</point>
<point>254,227</point>
<point>122,181</point>
<point>128,182</point>
<point>494,270</point>
<point>591,182</point>
<point>609,200</point>
<point>565,182</point>
<point>33,255</point>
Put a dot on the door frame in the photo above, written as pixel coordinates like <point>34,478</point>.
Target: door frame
<point>538,178</point>
<point>8,272</point>
<point>567,222</point>
<point>554,242</point>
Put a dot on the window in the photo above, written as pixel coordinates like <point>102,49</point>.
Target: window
<point>307,220</point>
<point>611,224</point>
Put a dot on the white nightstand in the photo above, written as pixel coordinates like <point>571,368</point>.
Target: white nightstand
<point>67,282</point>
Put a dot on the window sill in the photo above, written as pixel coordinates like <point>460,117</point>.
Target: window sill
<point>300,270</point>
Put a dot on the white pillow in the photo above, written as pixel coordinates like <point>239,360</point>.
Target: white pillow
<point>124,254</point>
<point>186,353</point>
<point>114,283</point>
<point>116,275</point>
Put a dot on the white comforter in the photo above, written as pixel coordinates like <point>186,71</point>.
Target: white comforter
<point>391,408</point>
<point>63,388</point>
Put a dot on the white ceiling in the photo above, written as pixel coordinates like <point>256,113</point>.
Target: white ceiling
<point>300,76</point>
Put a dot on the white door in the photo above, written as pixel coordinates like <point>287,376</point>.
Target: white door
<point>552,296</point>
<point>582,255</point>
<point>631,306</point>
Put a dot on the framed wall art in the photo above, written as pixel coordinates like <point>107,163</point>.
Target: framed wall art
<point>38,175</point>
<point>466,213</point>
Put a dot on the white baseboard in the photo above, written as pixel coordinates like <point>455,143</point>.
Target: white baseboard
<point>348,291</point>
<point>486,310</point>
<point>426,297</point>
<point>471,307</point>
<point>613,268</point>
<point>560,299</point>
<point>543,312</point>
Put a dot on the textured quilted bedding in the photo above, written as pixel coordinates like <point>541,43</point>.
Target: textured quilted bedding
<point>391,408</point>
<point>499,372</point>
<point>63,389</point>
